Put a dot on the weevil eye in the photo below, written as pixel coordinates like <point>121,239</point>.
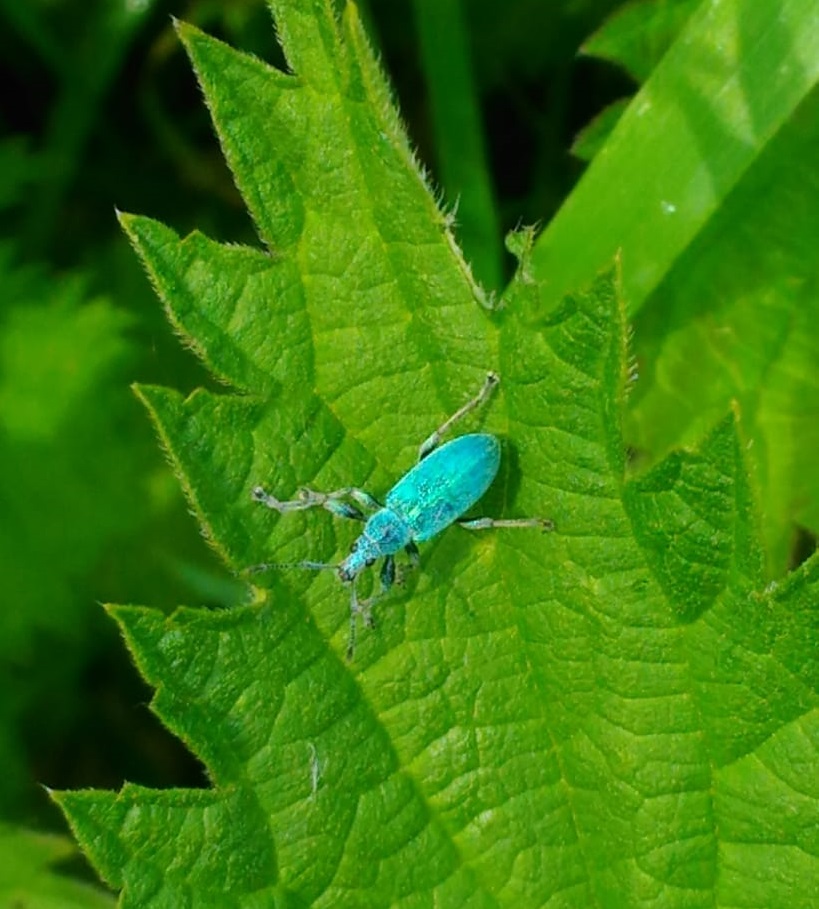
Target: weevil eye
<point>354,546</point>
<point>370,562</point>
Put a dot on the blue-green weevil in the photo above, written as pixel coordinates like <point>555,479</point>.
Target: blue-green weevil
<point>445,483</point>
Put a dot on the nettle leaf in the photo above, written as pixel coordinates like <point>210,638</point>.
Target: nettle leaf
<point>614,713</point>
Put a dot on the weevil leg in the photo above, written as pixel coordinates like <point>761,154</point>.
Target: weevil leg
<point>331,501</point>
<point>386,578</point>
<point>387,575</point>
<point>364,499</point>
<point>414,556</point>
<point>364,608</point>
<point>501,523</point>
<point>414,563</point>
<point>358,608</point>
<point>433,441</point>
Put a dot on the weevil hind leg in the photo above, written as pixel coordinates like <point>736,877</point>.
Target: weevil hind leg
<point>331,501</point>
<point>434,440</point>
<point>506,523</point>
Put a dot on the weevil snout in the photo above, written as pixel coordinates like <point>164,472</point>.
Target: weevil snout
<point>352,566</point>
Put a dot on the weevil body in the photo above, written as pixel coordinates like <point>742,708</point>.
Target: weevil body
<point>445,483</point>
<point>426,500</point>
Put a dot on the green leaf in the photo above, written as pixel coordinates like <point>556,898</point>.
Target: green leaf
<point>27,878</point>
<point>731,81</point>
<point>86,509</point>
<point>636,37</point>
<point>66,38</point>
<point>638,34</point>
<point>593,136</point>
<point>65,446</point>
<point>736,320</point>
<point>54,400</point>
<point>619,712</point>
<point>732,319</point>
<point>459,141</point>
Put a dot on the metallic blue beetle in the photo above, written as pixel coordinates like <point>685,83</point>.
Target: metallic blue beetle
<point>446,482</point>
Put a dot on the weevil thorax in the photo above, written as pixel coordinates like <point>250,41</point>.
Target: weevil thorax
<point>384,534</point>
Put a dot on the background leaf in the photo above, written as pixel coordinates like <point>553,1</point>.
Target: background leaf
<point>638,34</point>
<point>27,878</point>
<point>461,146</point>
<point>744,298</point>
<point>732,79</point>
<point>87,509</point>
<point>745,328</point>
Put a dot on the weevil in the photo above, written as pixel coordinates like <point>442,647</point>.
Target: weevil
<point>445,483</point>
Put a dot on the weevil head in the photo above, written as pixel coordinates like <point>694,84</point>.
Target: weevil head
<point>384,534</point>
<point>362,554</point>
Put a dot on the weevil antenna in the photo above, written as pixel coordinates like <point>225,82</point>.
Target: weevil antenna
<point>275,566</point>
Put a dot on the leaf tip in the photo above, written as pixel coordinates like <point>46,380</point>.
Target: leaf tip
<point>189,35</point>
<point>148,396</point>
<point>126,222</point>
<point>113,610</point>
<point>138,389</point>
<point>181,27</point>
<point>148,393</point>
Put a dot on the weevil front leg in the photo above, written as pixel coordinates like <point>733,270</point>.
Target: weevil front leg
<point>433,441</point>
<point>331,501</point>
<point>386,578</point>
<point>414,555</point>
<point>387,574</point>
<point>411,550</point>
<point>364,608</point>
<point>358,608</point>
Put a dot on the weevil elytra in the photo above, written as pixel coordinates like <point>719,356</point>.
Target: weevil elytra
<point>445,483</point>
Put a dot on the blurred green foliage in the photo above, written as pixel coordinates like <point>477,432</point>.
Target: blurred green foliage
<point>89,511</point>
